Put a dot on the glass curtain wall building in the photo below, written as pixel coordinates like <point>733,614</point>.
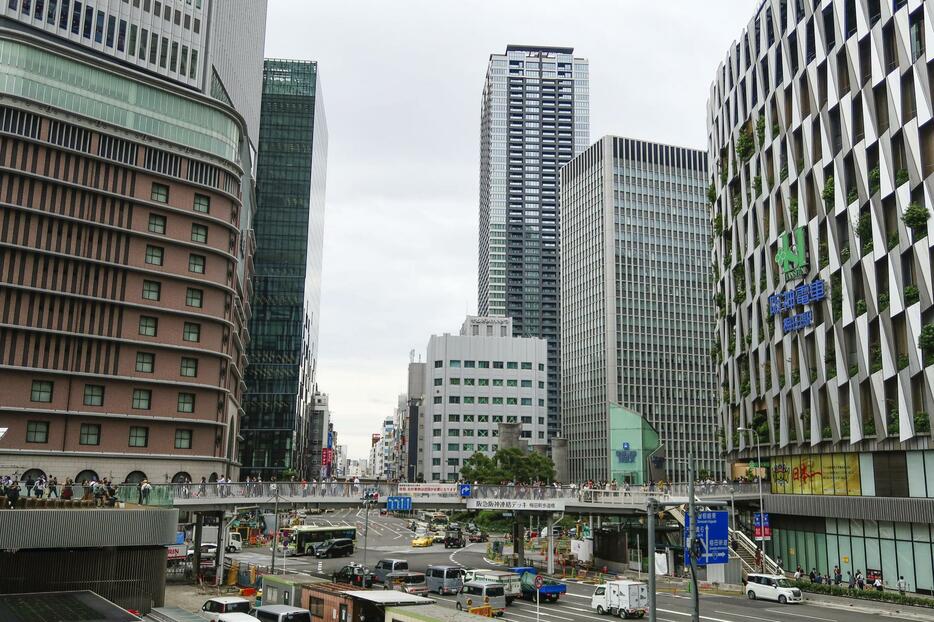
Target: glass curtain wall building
<point>636,310</point>
<point>821,139</point>
<point>289,235</point>
<point>535,118</point>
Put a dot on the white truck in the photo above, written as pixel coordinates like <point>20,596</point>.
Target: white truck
<point>626,599</point>
<point>233,543</point>
<point>510,580</point>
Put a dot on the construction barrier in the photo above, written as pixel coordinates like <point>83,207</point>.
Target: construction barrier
<point>485,611</point>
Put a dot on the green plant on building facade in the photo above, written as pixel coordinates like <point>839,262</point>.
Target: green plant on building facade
<point>916,218</point>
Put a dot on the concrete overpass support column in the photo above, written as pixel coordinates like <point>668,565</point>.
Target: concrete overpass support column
<point>559,455</point>
<point>196,558</point>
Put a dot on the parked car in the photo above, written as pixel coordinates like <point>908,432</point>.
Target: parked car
<point>236,617</point>
<point>386,566</point>
<point>771,587</point>
<point>407,581</point>
<point>281,613</point>
<point>476,594</point>
<point>423,541</point>
<point>355,574</point>
<point>338,547</point>
<point>477,536</point>
<point>214,607</point>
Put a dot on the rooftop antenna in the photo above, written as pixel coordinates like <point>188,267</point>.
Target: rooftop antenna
<point>412,355</point>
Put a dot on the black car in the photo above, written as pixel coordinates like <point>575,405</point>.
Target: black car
<point>339,547</point>
<point>354,574</point>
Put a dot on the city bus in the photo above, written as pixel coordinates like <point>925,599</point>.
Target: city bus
<point>304,537</point>
<point>438,520</point>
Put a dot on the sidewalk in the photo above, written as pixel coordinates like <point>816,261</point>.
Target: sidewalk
<point>902,612</point>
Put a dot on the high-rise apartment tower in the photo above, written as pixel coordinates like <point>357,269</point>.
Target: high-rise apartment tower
<point>535,118</point>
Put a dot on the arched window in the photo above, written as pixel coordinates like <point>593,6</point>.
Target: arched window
<point>33,473</point>
<point>181,477</point>
<point>86,474</point>
<point>135,477</point>
<point>213,477</point>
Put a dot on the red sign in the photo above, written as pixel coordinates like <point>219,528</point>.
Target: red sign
<point>760,532</point>
<point>326,455</point>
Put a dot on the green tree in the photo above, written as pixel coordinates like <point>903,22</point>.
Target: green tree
<point>508,465</point>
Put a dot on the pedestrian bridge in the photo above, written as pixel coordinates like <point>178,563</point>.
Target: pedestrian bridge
<point>227,496</point>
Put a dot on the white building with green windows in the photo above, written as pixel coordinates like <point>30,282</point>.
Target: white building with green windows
<point>474,381</point>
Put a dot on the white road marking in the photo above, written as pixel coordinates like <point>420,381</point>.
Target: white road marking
<point>740,615</point>
<point>798,615</point>
<point>532,617</point>
<point>681,613</point>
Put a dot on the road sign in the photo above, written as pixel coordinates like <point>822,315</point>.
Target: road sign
<point>465,490</point>
<point>762,528</point>
<point>399,504</point>
<point>539,581</point>
<point>713,538</point>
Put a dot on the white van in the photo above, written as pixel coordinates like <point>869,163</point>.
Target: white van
<point>509,580</point>
<point>281,613</point>
<point>213,608</point>
<point>772,587</point>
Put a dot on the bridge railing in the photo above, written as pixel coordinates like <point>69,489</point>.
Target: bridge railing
<point>213,492</point>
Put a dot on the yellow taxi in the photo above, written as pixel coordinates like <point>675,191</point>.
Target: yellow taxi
<point>423,541</point>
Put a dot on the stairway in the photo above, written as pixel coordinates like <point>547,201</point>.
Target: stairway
<point>745,549</point>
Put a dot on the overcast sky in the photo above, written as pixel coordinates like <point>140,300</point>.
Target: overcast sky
<point>402,81</point>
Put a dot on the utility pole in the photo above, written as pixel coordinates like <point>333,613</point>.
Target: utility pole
<point>650,509</point>
<point>275,538</point>
<point>692,540</point>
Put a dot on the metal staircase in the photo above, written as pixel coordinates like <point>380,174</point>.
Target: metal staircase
<point>745,549</point>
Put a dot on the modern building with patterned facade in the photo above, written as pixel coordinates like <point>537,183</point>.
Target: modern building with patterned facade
<point>535,118</point>
<point>636,309</point>
<point>821,142</point>
<point>289,227</point>
<point>125,246</point>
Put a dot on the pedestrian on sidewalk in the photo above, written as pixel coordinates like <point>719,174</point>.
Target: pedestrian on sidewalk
<point>850,580</point>
<point>860,582</point>
<point>902,585</point>
<point>837,575</point>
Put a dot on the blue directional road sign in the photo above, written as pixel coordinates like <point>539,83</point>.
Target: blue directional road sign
<point>713,533</point>
<point>399,504</point>
<point>466,490</point>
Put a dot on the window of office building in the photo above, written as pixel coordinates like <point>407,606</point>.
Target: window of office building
<point>90,434</point>
<point>142,398</point>
<point>160,193</point>
<point>145,362</point>
<point>183,439</point>
<point>152,290</point>
<point>93,395</point>
<point>193,297</point>
<point>148,326</point>
<point>37,431</point>
<point>139,436</point>
<point>192,332</point>
<point>41,391</point>
<point>186,402</point>
<point>156,223</point>
<point>189,367</point>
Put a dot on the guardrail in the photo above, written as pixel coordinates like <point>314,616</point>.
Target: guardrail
<point>345,492</point>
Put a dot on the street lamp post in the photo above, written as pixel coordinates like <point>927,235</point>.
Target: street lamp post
<point>761,499</point>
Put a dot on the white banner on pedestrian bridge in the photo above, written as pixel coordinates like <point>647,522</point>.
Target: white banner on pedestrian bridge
<point>544,505</point>
<point>428,490</point>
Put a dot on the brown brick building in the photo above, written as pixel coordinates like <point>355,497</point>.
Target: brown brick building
<point>125,265</point>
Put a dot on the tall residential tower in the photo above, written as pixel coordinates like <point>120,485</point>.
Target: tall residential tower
<point>535,118</point>
<point>636,311</point>
<point>289,228</point>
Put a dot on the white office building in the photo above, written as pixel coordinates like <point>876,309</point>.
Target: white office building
<point>474,381</point>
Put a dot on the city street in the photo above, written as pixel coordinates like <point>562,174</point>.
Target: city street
<point>390,537</point>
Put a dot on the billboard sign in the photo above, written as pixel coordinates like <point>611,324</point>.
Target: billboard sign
<point>713,536</point>
<point>762,528</point>
<point>542,505</point>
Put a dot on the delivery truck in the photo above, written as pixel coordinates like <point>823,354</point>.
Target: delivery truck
<point>626,599</point>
